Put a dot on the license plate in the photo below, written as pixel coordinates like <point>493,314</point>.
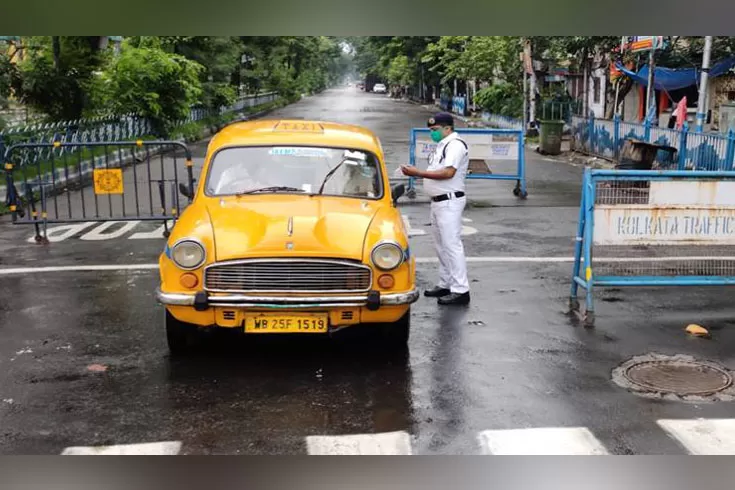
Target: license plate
<point>286,324</point>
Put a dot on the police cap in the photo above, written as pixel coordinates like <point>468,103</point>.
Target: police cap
<point>441,119</point>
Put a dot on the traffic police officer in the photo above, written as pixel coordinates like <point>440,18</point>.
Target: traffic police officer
<point>444,182</point>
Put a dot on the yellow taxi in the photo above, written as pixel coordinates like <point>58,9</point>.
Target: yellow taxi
<point>293,229</point>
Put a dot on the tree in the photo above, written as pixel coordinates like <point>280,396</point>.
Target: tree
<point>155,84</point>
<point>60,76</point>
<point>8,75</point>
<point>220,59</point>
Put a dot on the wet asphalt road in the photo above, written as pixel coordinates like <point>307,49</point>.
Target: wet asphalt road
<point>511,360</point>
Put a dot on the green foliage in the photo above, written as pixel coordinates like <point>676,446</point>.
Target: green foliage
<point>502,98</point>
<point>8,74</point>
<point>155,84</point>
<point>61,77</point>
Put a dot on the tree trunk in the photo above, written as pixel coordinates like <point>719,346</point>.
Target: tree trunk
<point>56,46</point>
<point>625,87</point>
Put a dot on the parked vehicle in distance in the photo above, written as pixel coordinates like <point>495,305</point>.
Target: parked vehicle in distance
<point>379,88</point>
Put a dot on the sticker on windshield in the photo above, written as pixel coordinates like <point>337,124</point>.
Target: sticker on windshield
<point>355,155</point>
<point>299,152</point>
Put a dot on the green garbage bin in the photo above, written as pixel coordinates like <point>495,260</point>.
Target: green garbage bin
<point>550,135</point>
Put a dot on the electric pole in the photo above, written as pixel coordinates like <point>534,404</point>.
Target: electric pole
<point>702,102</point>
<point>649,92</point>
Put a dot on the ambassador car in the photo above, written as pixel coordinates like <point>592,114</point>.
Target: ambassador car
<point>293,229</point>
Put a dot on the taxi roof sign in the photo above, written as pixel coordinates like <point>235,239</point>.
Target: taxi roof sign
<point>297,126</point>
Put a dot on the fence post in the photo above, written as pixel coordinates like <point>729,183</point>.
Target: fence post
<point>616,136</point>
<point>647,131</point>
<point>730,153</point>
<point>683,146</point>
<point>592,132</point>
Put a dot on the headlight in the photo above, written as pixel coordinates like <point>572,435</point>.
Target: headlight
<point>188,254</point>
<point>387,256</point>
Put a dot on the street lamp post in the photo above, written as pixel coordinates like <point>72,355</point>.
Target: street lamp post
<point>702,102</point>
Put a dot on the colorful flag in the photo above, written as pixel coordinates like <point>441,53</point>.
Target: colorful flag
<point>681,113</point>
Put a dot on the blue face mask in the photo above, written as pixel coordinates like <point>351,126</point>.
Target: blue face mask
<point>436,136</point>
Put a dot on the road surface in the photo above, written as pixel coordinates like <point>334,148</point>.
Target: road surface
<point>84,366</point>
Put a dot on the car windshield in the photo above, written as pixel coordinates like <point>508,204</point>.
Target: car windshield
<point>238,170</point>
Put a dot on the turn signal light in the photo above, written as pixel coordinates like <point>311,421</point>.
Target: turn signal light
<point>386,281</point>
<point>189,280</point>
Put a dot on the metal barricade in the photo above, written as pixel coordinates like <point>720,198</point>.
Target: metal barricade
<point>653,228</point>
<point>100,181</point>
<point>486,146</point>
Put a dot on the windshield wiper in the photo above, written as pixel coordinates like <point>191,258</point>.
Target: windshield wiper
<point>329,175</point>
<point>271,189</point>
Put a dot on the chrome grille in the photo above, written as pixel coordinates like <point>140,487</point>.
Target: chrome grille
<point>289,275</point>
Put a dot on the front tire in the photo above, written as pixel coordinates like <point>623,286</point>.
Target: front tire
<point>395,335</point>
<point>180,336</point>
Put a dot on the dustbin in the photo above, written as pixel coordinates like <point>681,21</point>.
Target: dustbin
<point>550,135</point>
<point>637,155</point>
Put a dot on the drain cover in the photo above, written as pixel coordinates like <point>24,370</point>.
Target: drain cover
<point>681,377</point>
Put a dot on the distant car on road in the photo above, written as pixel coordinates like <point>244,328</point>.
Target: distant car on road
<point>379,88</point>
<point>293,228</point>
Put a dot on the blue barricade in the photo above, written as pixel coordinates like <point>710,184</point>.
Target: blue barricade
<point>653,228</point>
<point>486,146</point>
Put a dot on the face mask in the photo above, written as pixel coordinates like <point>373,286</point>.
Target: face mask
<point>436,136</point>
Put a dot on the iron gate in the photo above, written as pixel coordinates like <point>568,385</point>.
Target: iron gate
<point>58,182</point>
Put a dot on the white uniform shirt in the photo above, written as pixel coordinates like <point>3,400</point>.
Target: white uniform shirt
<point>457,156</point>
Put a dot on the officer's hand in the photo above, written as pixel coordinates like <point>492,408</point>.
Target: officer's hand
<point>410,171</point>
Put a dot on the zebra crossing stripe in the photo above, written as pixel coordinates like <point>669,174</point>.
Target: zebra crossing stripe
<point>171,448</point>
<point>557,441</point>
<point>712,437</point>
<point>384,444</point>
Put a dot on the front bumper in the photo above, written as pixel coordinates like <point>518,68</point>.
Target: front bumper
<point>202,301</point>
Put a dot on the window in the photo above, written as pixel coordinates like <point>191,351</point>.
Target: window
<point>242,169</point>
<point>596,89</point>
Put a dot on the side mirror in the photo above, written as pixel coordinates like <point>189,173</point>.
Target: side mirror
<point>184,190</point>
<point>398,191</point>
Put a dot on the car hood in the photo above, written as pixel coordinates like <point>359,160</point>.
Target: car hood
<point>319,227</point>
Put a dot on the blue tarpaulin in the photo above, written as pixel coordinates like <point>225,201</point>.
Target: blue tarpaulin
<point>669,79</point>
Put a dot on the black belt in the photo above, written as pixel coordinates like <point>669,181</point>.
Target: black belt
<point>445,197</point>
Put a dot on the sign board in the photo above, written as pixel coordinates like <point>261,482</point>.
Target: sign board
<point>481,146</point>
<point>637,44</point>
<point>677,213</point>
<point>108,181</point>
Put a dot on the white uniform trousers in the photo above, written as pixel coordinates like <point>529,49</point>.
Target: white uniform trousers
<point>446,227</point>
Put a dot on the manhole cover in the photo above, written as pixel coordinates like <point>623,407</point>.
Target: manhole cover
<point>678,377</point>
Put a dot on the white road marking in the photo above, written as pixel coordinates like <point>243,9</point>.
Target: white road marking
<point>388,443</point>
<point>61,233</point>
<point>420,260</point>
<point>567,441</point>
<point>77,268</point>
<point>410,230</point>
<point>146,449</point>
<point>157,233</point>
<point>466,230</point>
<point>98,233</point>
<point>703,436</point>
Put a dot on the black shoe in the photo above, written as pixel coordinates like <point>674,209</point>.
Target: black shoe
<point>436,292</point>
<point>455,299</point>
